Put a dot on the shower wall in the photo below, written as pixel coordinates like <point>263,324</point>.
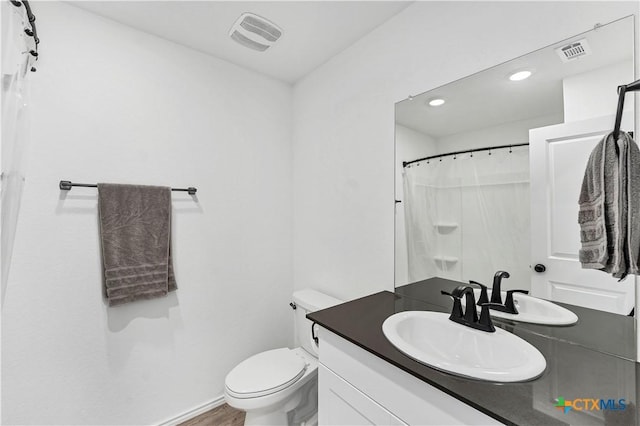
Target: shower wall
<point>459,205</point>
<point>467,216</point>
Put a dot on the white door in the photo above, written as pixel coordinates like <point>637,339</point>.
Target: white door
<point>558,157</point>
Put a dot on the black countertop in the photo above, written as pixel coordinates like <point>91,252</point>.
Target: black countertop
<point>598,330</point>
<point>573,370</point>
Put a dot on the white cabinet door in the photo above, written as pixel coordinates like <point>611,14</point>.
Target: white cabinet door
<point>370,391</point>
<point>558,157</point>
<point>339,403</point>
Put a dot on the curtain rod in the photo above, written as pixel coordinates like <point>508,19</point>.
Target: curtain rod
<point>66,185</point>
<point>30,32</point>
<point>466,151</point>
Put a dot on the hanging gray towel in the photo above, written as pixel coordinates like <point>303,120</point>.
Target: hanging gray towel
<point>135,231</point>
<point>609,215</point>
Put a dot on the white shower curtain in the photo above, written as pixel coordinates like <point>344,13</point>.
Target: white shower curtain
<point>16,66</point>
<point>468,216</point>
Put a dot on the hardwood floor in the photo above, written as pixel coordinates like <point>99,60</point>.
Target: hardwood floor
<point>221,416</point>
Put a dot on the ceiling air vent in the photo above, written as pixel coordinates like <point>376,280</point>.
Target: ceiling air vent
<point>255,32</point>
<point>574,50</point>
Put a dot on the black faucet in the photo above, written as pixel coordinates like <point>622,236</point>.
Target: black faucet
<point>470,315</point>
<point>496,296</point>
<point>509,306</point>
<point>483,293</point>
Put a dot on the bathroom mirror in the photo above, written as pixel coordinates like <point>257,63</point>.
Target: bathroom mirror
<point>489,170</point>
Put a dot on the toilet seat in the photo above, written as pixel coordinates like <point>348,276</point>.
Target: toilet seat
<point>265,373</point>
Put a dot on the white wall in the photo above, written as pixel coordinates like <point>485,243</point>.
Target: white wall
<point>480,254</point>
<point>116,105</point>
<point>589,95</point>
<point>515,132</point>
<point>344,122</point>
<point>410,145</point>
<point>157,113</point>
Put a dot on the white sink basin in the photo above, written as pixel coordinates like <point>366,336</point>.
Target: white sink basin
<point>432,339</point>
<point>533,310</point>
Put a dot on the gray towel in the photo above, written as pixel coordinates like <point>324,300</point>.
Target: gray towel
<point>633,206</point>
<point>135,231</point>
<point>609,215</point>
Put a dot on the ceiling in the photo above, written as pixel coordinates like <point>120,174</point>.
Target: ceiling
<point>489,98</point>
<point>313,31</point>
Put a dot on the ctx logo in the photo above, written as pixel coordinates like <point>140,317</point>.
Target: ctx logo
<point>590,404</point>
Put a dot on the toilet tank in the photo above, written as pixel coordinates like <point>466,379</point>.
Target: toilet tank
<point>307,301</point>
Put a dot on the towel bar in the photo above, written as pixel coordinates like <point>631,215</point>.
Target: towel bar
<point>66,185</point>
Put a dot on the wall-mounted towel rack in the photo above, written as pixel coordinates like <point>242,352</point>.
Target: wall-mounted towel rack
<point>623,90</point>
<point>66,185</point>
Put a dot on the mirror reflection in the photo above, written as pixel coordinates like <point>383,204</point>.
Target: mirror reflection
<point>489,170</point>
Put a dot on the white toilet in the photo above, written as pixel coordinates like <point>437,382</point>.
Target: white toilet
<point>280,386</point>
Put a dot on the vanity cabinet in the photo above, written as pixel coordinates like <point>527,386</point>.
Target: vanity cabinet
<point>359,388</point>
<point>343,404</point>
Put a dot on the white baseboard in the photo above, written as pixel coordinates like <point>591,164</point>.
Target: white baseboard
<point>194,412</point>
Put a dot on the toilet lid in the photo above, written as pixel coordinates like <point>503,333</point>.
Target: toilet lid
<point>265,373</point>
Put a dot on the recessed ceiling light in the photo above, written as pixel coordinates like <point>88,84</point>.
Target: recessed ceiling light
<point>520,75</point>
<point>436,102</point>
